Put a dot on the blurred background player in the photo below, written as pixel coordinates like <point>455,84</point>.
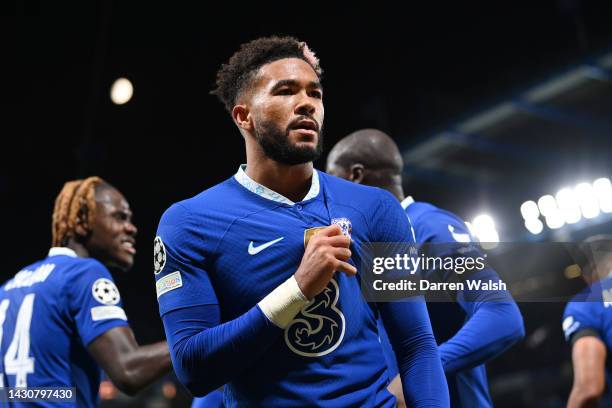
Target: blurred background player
<point>212,400</point>
<point>247,288</point>
<point>587,323</point>
<point>61,318</point>
<point>477,325</point>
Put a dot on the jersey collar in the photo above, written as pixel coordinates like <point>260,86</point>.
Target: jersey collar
<point>407,201</point>
<point>263,191</point>
<point>62,251</point>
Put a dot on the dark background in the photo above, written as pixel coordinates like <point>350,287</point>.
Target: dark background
<point>410,69</point>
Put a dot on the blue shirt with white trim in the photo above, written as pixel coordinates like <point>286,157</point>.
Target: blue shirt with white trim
<point>219,253</point>
<point>50,312</point>
<point>473,326</point>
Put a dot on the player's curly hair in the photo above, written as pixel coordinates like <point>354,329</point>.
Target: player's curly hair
<point>235,76</point>
<point>75,204</point>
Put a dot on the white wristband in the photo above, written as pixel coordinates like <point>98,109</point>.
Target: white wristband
<point>283,303</point>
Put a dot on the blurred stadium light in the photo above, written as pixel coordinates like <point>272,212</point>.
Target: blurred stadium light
<point>121,91</point>
<point>483,228</point>
<point>569,205</point>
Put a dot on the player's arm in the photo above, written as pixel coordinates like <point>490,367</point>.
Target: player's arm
<point>495,325</point>
<point>130,367</point>
<point>495,322</point>
<point>588,359</point>
<point>207,352</point>
<point>395,388</point>
<point>409,330</point>
<point>95,305</point>
<point>407,323</point>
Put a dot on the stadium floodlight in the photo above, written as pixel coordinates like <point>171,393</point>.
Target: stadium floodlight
<point>568,205</point>
<point>603,192</point>
<point>484,226</point>
<point>589,205</point>
<point>121,91</point>
<point>548,205</point>
<point>555,220</point>
<point>534,225</point>
<point>529,210</point>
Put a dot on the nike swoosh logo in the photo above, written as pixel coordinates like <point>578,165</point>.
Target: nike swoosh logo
<point>253,250</point>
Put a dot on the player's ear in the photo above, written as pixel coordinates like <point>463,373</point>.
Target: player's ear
<point>356,173</point>
<point>242,117</point>
<point>81,229</point>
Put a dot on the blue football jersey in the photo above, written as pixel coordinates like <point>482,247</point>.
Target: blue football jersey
<point>234,243</point>
<point>591,310</point>
<point>50,312</point>
<point>467,388</point>
<point>212,400</point>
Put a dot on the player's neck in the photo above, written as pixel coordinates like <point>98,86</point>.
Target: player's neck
<point>397,191</point>
<point>77,247</point>
<point>391,186</point>
<point>390,182</point>
<point>291,181</point>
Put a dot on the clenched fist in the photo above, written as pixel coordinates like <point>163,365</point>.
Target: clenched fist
<point>327,251</point>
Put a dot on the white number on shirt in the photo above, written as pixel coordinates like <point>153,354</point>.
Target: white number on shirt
<point>16,360</point>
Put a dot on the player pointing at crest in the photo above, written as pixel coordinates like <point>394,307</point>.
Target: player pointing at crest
<point>257,285</point>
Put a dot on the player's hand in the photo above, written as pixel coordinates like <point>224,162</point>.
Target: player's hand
<point>327,251</point>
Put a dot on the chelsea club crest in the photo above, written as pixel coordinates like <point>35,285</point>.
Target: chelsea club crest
<point>344,224</point>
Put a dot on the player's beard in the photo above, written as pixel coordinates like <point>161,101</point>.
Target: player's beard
<point>274,141</point>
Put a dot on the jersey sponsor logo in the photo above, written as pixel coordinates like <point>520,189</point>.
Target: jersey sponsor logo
<point>569,326</point>
<point>105,292</point>
<point>159,255</point>
<point>26,278</point>
<point>169,282</point>
<point>107,312</point>
<point>319,327</point>
<point>459,237</point>
<point>254,250</point>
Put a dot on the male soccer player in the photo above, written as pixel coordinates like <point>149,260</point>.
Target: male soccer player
<point>587,323</point>
<point>479,325</point>
<point>256,276</point>
<point>61,318</point>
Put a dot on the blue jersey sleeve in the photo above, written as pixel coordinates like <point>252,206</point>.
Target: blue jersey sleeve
<point>580,317</point>
<point>180,256</point>
<point>423,381</point>
<point>205,352</point>
<point>407,323</point>
<point>390,359</point>
<point>94,301</point>
<point>494,324</point>
<point>494,320</point>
